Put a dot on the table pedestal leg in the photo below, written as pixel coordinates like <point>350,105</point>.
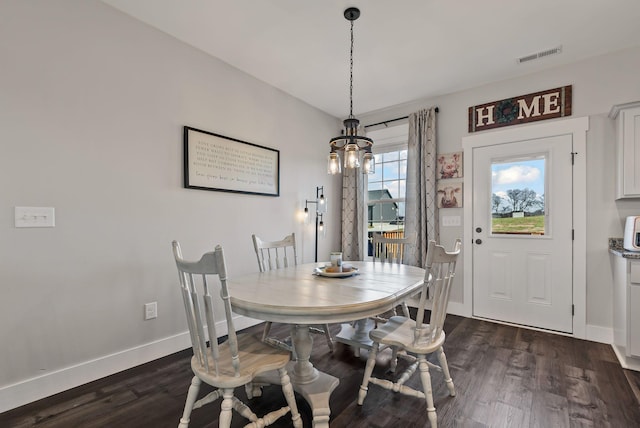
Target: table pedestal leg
<point>315,386</point>
<point>356,336</point>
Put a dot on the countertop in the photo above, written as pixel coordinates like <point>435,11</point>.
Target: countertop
<point>616,247</point>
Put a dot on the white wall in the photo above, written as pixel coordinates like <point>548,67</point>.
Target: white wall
<point>598,84</point>
<point>92,107</point>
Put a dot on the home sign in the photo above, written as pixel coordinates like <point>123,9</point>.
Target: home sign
<point>542,105</point>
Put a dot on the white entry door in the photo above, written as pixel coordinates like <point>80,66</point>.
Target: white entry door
<point>522,232</point>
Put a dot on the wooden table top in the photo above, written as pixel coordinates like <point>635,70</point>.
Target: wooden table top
<point>295,295</point>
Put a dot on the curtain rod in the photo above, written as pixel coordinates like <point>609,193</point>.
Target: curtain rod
<point>393,120</point>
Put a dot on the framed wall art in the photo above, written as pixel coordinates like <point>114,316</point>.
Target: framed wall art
<point>219,163</point>
<point>449,165</point>
<point>449,194</point>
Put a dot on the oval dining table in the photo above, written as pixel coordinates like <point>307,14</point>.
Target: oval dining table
<point>299,296</point>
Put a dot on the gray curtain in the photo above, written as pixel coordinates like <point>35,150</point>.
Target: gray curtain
<point>421,211</point>
<point>354,187</point>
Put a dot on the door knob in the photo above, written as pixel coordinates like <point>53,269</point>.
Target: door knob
<point>478,229</point>
<point>478,241</point>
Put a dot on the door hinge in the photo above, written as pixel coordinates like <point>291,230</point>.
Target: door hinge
<point>573,310</point>
<point>573,234</point>
<point>573,157</point>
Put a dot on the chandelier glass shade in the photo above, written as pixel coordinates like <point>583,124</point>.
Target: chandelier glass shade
<point>353,146</point>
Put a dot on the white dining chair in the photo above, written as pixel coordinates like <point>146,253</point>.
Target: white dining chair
<point>392,250</point>
<point>385,250</point>
<point>238,361</point>
<point>414,340</point>
<point>275,255</point>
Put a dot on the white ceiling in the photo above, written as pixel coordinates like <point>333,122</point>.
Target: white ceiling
<point>404,49</point>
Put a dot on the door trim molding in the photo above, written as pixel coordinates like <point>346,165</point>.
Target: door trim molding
<point>577,128</point>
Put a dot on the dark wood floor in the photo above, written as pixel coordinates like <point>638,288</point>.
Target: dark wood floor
<point>504,377</point>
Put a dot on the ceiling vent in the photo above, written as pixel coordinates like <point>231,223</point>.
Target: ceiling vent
<point>540,54</point>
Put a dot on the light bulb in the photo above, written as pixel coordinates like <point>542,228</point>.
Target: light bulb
<point>351,159</point>
<point>322,204</point>
<point>368,163</point>
<point>321,228</point>
<point>333,164</point>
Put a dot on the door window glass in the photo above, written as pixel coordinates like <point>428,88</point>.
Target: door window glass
<point>518,196</point>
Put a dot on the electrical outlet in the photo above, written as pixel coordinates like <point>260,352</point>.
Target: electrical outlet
<point>150,310</point>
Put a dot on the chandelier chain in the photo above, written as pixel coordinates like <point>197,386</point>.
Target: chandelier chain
<point>353,146</point>
<point>351,76</point>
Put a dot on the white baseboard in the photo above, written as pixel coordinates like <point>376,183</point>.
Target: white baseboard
<point>596,333</point>
<point>38,387</point>
<point>453,308</point>
<point>630,363</point>
<point>456,308</point>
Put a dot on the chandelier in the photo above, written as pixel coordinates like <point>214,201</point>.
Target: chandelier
<point>350,142</point>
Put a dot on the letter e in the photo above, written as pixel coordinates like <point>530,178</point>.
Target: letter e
<point>551,103</point>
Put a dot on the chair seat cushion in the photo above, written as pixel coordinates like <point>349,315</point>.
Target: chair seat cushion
<point>400,331</point>
<point>255,358</point>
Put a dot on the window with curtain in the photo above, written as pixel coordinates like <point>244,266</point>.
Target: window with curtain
<point>386,193</point>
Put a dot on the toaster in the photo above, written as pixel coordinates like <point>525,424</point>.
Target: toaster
<point>632,233</point>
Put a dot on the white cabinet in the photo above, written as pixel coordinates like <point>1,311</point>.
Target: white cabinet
<point>627,117</point>
<point>634,319</point>
<point>626,311</point>
<point>633,307</point>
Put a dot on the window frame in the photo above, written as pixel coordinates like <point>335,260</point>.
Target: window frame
<point>386,140</point>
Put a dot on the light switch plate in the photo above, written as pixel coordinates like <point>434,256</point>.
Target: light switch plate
<point>35,217</point>
<point>451,220</point>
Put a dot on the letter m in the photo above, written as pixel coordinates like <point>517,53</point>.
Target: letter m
<point>529,111</point>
